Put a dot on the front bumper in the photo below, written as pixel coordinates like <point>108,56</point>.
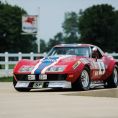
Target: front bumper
<point>43,84</point>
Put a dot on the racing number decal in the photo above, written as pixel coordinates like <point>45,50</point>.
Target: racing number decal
<point>101,67</point>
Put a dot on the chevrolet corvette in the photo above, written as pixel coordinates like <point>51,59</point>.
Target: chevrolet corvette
<point>75,66</point>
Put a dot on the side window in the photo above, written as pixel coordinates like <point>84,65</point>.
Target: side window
<point>96,53</point>
<point>83,51</point>
<point>99,53</point>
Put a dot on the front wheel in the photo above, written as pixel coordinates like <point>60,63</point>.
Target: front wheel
<point>83,83</point>
<point>20,89</point>
<point>112,81</point>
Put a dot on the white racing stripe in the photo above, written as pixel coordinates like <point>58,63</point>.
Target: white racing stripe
<point>37,65</point>
<point>44,70</point>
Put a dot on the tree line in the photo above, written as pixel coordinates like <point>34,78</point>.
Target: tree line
<point>97,25</point>
<point>11,39</point>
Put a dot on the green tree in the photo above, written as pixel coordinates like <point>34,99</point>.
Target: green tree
<point>11,39</point>
<point>70,27</point>
<point>43,46</point>
<point>98,25</point>
<point>58,39</point>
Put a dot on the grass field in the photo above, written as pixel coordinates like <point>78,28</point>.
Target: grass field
<point>6,79</point>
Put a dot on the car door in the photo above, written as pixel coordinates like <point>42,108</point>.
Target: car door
<point>98,61</point>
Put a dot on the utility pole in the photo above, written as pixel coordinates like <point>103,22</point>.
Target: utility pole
<point>38,31</point>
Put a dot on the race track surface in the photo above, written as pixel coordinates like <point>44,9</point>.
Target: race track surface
<point>100,103</point>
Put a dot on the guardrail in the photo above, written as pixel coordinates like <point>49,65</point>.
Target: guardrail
<point>8,60</point>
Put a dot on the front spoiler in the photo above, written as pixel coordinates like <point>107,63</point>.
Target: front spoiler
<point>43,84</point>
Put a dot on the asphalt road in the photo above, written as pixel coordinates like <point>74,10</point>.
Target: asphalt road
<point>98,103</point>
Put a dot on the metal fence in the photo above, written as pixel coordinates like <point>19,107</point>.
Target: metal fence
<point>8,60</point>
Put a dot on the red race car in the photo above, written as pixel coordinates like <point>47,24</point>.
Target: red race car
<point>75,66</point>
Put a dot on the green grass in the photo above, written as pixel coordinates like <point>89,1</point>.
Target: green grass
<point>6,79</point>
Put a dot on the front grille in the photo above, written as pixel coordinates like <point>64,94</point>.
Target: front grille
<point>50,77</point>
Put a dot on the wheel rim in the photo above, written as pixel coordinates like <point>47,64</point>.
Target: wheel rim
<point>115,76</point>
<point>85,78</point>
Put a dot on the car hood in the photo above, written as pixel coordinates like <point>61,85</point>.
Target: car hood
<point>65,62</point>
<point>61,63</point>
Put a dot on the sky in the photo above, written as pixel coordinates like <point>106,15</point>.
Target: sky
<point>52,12</point>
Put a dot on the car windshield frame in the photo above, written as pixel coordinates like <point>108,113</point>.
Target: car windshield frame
<point>78,51</point>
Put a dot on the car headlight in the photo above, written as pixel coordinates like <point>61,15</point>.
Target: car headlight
<point>56,69</point>
<point>26,68</point>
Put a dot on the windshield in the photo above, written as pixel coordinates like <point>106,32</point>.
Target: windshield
<point>79,51</point>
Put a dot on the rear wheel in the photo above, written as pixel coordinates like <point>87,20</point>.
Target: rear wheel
<point>112,81</point>
<point>20,89</point>
<point>83,83</point>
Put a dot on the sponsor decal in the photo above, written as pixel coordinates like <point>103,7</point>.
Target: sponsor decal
<point>96,73</point>
<point>43,77</point>
<point>62,84</point>
<point>50,59</point>
<point>21,84</point>
<point>31,77</point>
<point>29,23</point>
<point>76,64</point>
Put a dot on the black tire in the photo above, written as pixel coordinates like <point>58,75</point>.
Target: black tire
<point>83,82</point>
<point>112,81</point>
<point>20,89</point>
